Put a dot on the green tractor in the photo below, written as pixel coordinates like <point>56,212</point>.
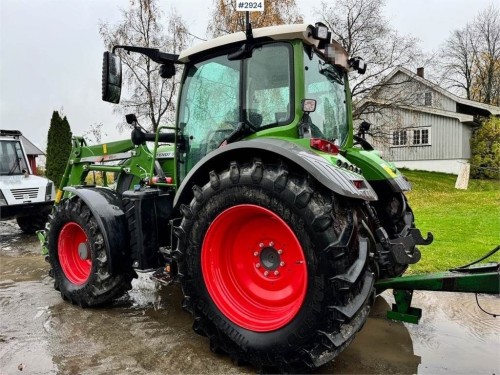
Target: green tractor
<point>261,202</point>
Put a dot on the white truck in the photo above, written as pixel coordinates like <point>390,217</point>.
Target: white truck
<point>23,196</point>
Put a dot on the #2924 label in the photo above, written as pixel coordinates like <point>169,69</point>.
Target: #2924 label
<point>250,6</point>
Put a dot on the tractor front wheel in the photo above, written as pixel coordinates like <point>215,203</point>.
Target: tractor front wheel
<point>274,271</point>
<point>78,257</point>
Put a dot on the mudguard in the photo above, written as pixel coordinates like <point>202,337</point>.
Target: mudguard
<point>106,206</point>
<point>339,180</point>
<point>383,177</point>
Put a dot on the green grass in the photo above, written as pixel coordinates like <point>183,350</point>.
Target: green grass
<point>465,223</point>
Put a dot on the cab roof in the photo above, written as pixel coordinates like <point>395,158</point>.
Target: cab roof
<point>282,32</point>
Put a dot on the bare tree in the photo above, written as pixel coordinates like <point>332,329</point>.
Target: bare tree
<point>149,97</point>
<point>225,18</point>
<point>471,58</point>
<point>487,25</point>
<point>459,60</point>
<point>363,31</point>
<point>95,133</point>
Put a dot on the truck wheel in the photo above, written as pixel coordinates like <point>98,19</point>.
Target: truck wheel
<point>78,257</point>
<point>274,271</point>
<point>30,224</point>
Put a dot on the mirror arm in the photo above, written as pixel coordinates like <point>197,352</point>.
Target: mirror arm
<point>153,53</point>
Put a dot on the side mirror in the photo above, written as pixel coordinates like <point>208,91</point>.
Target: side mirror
<point>111,78</point>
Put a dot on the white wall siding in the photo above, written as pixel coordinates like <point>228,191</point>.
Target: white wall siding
<point>448,137</point>
<point>466,136</point>
<point>413,92</point>
<point>452,166</point>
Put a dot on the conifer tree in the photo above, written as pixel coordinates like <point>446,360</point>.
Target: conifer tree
<point>58,147</point>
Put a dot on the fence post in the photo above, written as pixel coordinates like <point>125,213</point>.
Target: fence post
<point>463,177</point>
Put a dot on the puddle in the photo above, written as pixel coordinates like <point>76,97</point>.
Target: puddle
<point>148,333</point>
<point>454,336</point>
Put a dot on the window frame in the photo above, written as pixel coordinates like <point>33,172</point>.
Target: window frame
<point>244,112</point>
<point>309,53</point>
<point>401,134</point>
<point>410,137</point>
<point>428,94</point>
<point>421,130</point>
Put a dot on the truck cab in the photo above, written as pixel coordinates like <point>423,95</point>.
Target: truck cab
<point>23,196</point>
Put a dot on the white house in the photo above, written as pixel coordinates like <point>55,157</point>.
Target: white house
<point>419,125</point>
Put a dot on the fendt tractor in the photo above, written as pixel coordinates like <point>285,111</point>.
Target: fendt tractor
<point>260,201</point>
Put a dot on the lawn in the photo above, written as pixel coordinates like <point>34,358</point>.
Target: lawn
<point>465,223</point>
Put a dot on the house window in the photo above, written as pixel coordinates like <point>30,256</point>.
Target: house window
<point>421,137</point>
<point>425,136</point>
<point>416,137</point>
<point>411,137</point>
<point>399,138</point>
<point>428,98</point>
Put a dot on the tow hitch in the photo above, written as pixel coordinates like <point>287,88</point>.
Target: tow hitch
<point>471,278</point>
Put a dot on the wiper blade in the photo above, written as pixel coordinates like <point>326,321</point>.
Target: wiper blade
<point>17,164</point>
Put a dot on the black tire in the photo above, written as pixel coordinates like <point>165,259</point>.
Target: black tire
<point>93,286</point>
<point>339,284</point>
<point>30,224</point>
<point>397,218</point>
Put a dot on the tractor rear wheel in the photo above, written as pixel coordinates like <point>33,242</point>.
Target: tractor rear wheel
<point>274,271</point>
<point>78,257</point>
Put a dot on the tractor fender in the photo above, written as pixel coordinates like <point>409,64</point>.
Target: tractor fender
<point>106,206</point>
<point>338,180</point>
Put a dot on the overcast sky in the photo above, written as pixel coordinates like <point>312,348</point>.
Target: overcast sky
<point>51,53</point>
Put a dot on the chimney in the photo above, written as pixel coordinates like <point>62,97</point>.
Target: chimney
<point>420,72</point>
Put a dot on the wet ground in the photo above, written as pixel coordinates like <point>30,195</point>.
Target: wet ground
<point>150,334</point>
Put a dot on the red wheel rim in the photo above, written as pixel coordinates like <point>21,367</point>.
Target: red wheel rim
<point>254,268</point>
<point>74,253</point>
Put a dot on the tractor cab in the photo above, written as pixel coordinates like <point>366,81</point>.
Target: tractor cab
<point>284,81</point>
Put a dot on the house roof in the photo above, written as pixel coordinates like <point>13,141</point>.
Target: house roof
<point>490,109</point>
<point>462,117</point>
<point>29,147</point>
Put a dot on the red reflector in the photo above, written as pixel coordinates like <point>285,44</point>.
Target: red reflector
<point>358,184</point>
<point>162,180</point>
<point>324,145</point>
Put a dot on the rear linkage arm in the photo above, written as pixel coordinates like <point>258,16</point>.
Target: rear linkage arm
<point>398,247</point>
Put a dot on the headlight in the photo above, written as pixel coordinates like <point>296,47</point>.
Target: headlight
<point>48,192</point>
<point>320,31</point>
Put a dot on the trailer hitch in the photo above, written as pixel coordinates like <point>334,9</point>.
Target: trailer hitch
<point>471,278</point>
<point>399,246</point>
<point>402,249</point>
